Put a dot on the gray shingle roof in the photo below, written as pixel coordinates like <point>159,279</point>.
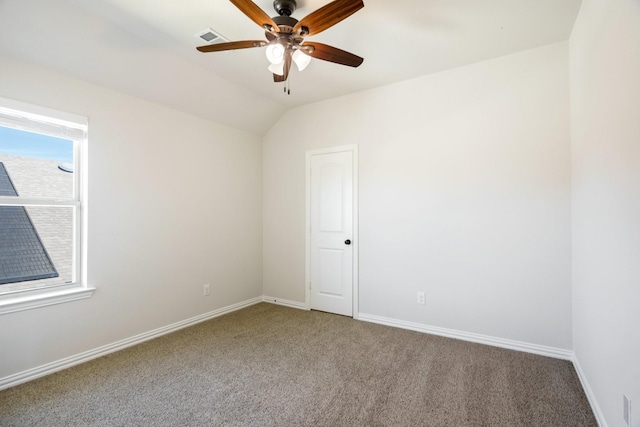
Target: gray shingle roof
<point>22,254</point>
<point>6,186</point>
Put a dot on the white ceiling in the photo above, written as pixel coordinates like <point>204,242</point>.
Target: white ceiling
<point>147,47</point>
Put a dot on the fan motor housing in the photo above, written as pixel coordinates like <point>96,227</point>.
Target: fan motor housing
<point>285,21</point>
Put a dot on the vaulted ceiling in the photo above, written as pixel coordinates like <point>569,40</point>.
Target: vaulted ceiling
<point>147,48</point>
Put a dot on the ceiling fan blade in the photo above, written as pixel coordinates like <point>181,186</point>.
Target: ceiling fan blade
<point>231,45</point>
<point>332,54</point>
<point>287,63</point>
<point>256,14</point>
<point>286,68</point>
<point>328,15</point>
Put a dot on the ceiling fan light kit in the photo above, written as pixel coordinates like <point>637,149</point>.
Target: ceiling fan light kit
<point>277,68</point>
<point>301,59</point>
<point>286,35</point>
<point>275,53</point>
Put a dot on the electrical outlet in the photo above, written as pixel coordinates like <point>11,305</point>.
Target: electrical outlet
<point>421,298</point>
<point>207,290</point>
<point>626,409</point>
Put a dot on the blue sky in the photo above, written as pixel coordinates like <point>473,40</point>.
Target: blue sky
<point>15,142</point>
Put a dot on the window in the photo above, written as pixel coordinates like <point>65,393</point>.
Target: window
<point>42,209</point>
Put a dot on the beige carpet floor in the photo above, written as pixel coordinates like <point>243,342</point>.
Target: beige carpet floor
<point>268,365</point>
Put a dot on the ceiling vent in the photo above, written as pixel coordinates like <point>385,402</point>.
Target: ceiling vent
<point>211,37</point>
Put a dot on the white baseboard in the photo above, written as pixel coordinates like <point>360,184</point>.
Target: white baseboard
<point>285,302</point>
<point>50,368</point>
<point>587,390</point>
<point>557,353</point>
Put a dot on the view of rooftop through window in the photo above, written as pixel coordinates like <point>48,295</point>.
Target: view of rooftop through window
<point>36,242</point>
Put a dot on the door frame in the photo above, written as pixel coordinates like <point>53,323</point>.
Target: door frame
<point>353,148</point>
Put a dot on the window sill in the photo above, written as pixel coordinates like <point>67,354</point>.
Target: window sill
<point>42,300</point>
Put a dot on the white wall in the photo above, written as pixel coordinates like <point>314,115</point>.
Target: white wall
<point>464,194</point>
<point>605,114</point>
<point>174,202</point>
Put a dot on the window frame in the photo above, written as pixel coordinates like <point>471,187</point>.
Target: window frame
<point>31,118</point>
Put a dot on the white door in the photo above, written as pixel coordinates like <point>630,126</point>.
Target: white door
<point>331,232</point>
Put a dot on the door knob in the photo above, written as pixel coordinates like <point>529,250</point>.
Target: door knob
<point>347,242</point>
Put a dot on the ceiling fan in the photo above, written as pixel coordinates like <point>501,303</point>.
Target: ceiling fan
<point>286,35</point>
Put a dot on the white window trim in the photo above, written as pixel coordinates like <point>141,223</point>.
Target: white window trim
<point>19,115</point>
<point>20,303</point>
